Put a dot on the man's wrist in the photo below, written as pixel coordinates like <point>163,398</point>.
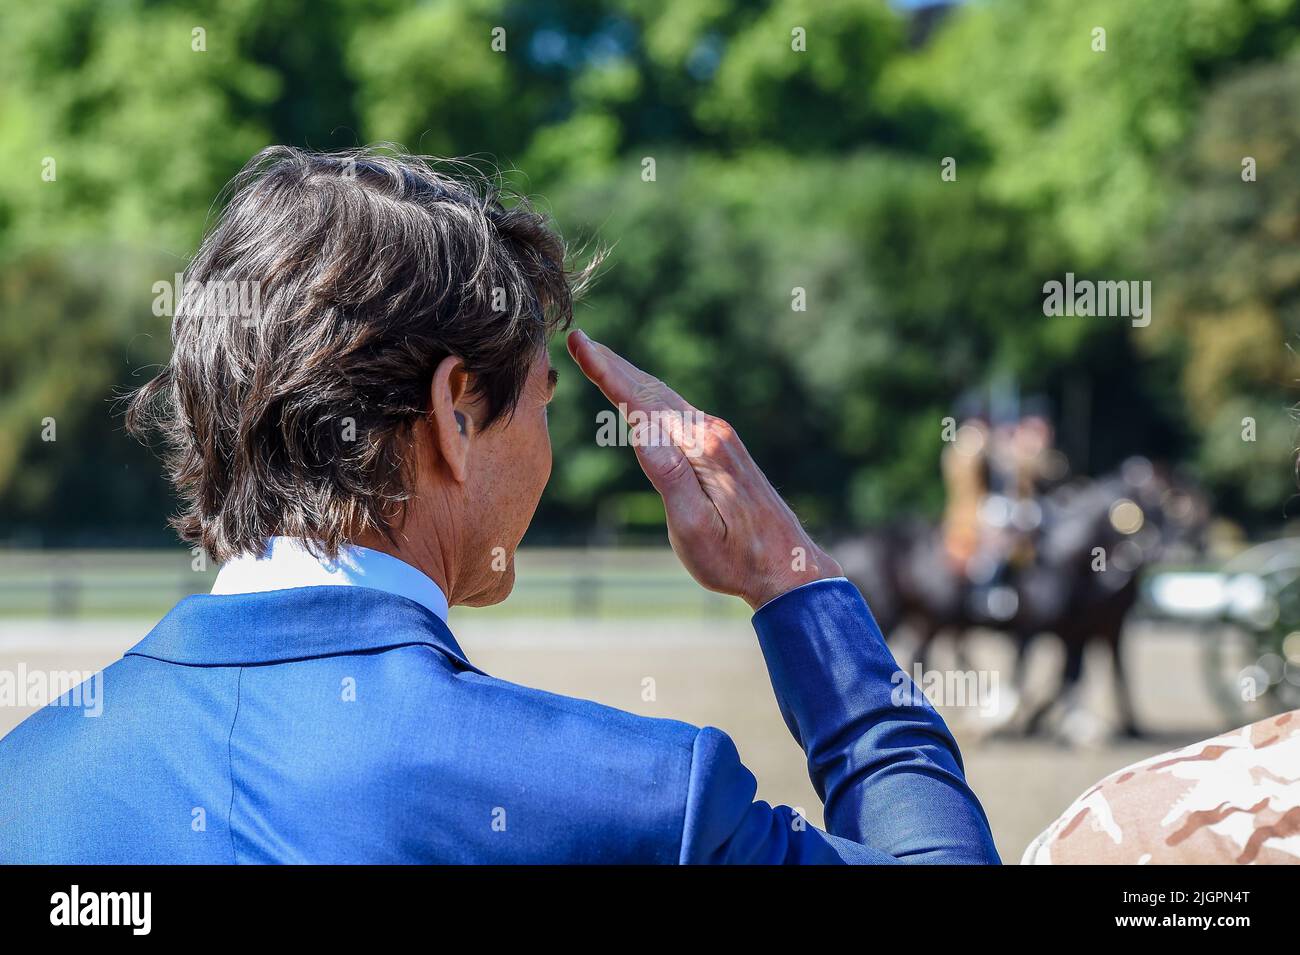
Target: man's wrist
<point>819,580</point>
<point>823,567</point>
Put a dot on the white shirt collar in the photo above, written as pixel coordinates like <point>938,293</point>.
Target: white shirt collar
<point>288,563</point>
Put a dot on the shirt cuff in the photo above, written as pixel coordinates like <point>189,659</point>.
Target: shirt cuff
<point>823,580</point>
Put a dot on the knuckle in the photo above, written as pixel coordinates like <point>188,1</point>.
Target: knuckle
<point>676,470</point>
<point>648,391</point>
<point>722,431</point>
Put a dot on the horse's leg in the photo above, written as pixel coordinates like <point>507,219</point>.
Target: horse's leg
<point>1123,695</point>
<point>1071,671</point>
<point>927,630</point>
<point>1011,710</point>
<point>1020,671</point>
<point>960,656</point>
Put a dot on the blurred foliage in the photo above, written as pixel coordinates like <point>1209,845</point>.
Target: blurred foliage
<point>776,170</point>
<point>1229,264</point>
<point>74,329</point>
<point>1081,138</point>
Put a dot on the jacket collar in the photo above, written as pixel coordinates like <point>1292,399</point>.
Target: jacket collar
<point>294,624</point>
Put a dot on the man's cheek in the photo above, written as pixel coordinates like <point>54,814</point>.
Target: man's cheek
<point>550,461</point>
<point>544,459</point>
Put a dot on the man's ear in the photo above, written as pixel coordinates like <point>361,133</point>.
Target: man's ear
<point>449,418</point>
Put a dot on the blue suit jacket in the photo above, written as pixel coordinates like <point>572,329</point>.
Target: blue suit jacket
<point>344,724</point>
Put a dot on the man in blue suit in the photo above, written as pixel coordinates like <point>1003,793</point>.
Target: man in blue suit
<point>365,447</point>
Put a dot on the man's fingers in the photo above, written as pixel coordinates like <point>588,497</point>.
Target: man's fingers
<point>615,381</point>
<point>622,382</point>
<point>659,435</point>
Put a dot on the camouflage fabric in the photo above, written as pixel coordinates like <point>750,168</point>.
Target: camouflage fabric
<point>1231,799</point>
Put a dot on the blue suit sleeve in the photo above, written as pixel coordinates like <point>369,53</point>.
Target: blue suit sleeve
<point>884,764</point>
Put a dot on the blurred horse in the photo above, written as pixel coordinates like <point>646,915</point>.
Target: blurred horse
<point>1088,544</point>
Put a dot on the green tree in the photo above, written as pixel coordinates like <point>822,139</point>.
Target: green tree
<point>1229,259</point>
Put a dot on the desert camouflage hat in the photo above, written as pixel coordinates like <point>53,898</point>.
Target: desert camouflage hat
<point>1231,799</point>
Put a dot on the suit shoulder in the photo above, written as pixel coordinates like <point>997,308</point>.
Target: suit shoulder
<point>623,781</point>
<point>583,715</point>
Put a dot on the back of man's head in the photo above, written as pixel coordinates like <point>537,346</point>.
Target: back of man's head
<point>312,318</point>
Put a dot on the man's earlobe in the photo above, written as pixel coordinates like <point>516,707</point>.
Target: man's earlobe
<point>450,426</point>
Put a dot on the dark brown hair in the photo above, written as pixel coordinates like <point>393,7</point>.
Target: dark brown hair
<point>310,323</point>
